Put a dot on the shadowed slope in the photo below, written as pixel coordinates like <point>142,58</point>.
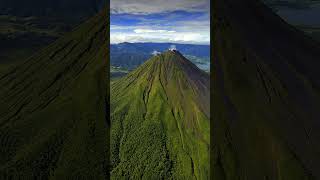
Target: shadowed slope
<point>160,120</point>
<point>266,96</point>
<point>53,109</point>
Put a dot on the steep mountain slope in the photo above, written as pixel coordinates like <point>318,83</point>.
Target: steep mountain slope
<point>266,118</point>
<point>53,109</point>
<point>160,121</point>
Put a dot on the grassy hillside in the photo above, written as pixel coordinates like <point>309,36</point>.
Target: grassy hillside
<point>53,109</point>
<point>160,121</point>
<point>265,95</point>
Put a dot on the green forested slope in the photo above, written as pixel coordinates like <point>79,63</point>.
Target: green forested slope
<point>53,109</point>
<point>160,121</point>
<point>265,96</point>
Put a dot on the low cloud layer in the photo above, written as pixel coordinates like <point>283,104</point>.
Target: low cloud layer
<point>155,53</point>
<point>141,31</point>
<point>189,37</point>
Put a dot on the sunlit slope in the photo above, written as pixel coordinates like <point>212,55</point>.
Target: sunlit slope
<point>160,121</point>
<point>53,109</point>
<point>265,96</point>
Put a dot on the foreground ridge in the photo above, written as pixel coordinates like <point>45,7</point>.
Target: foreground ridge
<point>53,109</point>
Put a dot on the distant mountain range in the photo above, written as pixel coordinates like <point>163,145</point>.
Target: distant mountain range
<point>28,26</point>
<point>297,12</point>
<point>160,121</point>
<point>51,8</point>
<point>131,55</point>
<point>303,14</point>
<point>295,4</point>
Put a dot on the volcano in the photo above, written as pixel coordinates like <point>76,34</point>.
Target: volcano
<point>53,109</point>
<point>160,120</point>
<point>265,95</point>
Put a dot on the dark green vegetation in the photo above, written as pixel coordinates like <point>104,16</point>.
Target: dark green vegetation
<point>160,121</point>
<point>132,55</point>
<point>265,96</point>
<point>53,109</point>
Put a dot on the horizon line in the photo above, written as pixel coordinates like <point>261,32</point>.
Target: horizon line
<point>162,43</point>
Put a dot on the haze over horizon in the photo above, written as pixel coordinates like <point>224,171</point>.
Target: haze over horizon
<point>176,21</point>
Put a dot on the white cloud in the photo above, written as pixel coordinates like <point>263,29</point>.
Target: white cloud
<point>116,27</point>
<point>170,27</point>
<point>140,31</point>
<point>155,53</point>
<point>177,37</point>
<point>157,6</point>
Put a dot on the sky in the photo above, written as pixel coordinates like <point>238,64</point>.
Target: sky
<point>173,21</point>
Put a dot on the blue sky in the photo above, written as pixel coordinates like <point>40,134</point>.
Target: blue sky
<point>175,21</point>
